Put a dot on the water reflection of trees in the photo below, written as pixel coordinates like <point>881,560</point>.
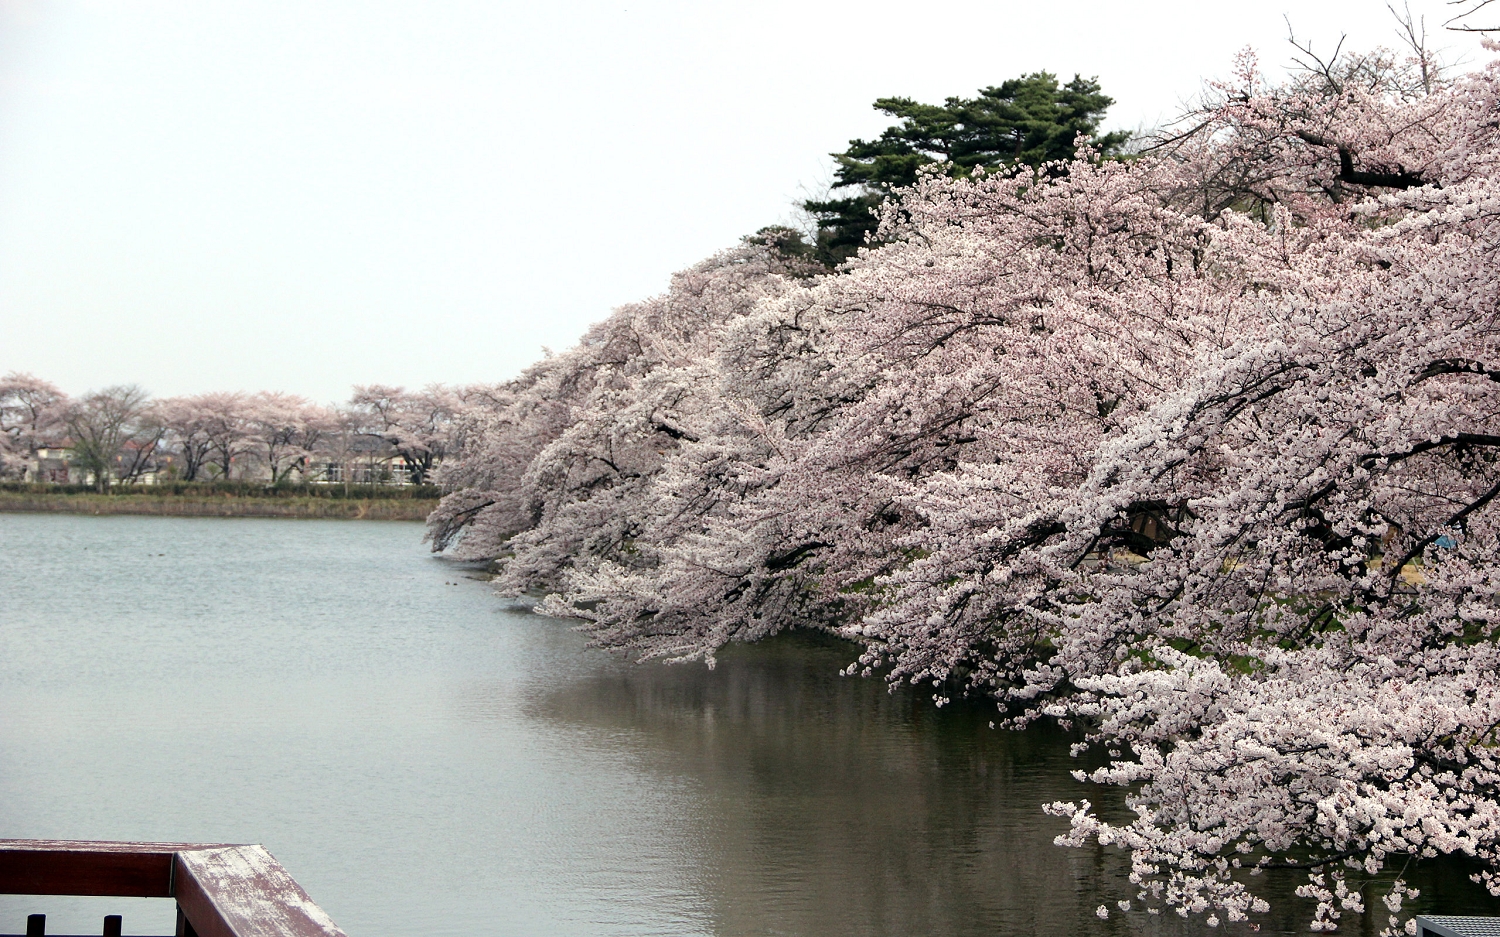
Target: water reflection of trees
<point>830,806</point>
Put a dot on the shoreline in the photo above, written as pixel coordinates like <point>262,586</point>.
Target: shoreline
<point>377,509</point>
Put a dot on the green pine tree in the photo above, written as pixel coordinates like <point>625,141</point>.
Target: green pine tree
<point>1030,120</point>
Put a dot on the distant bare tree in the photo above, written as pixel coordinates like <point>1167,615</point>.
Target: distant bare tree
<point>337,445</point>
<point>106,423</point>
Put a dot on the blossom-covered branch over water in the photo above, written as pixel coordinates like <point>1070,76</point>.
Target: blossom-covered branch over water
<point>1196,451</point>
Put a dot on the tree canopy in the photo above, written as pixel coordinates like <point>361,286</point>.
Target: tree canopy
<point>1198,453</point>
<point>1031,120</point>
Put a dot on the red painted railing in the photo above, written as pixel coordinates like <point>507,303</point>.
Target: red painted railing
<point>222,890</point>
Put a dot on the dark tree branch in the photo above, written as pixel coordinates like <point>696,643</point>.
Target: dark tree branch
<point>1474,6</point>
<point>1453,521</point>
<point>1399,179</point>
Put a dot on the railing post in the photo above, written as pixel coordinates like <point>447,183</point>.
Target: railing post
<point>36,925</point>
<point>184,926</point>
<point>112,924</point>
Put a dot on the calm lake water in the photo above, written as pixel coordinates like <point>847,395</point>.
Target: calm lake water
<point>428,759</point>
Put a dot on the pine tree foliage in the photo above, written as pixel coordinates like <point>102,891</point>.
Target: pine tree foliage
<point>1030,121</point>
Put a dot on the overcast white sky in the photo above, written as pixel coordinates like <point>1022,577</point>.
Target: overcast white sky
<point>310,194</point>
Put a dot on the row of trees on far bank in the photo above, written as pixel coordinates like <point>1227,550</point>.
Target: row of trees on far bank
<point>1197,452</point>
<point>120,435</point>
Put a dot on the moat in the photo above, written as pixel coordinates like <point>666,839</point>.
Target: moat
<point>428,759</point>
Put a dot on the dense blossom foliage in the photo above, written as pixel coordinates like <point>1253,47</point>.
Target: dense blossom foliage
<point>1195,452</point>
<point>556,465</point>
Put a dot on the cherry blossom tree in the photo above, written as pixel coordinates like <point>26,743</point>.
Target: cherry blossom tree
<point>214,430</point>
<point>1196,453</point>
<point>560,467</point>
<point>32,415</point>
<point>287,431</point>
<point>415,423</point>
<point>188,426</point>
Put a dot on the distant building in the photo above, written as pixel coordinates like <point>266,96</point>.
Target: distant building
<point>359,460</point>
<point>51,465</point>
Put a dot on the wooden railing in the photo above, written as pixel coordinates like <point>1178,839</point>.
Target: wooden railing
<point>221,889</point>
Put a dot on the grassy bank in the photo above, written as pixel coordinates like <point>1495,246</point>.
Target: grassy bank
<point>234,499</point>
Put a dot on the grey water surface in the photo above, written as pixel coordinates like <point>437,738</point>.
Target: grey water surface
<point>428,759</point>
